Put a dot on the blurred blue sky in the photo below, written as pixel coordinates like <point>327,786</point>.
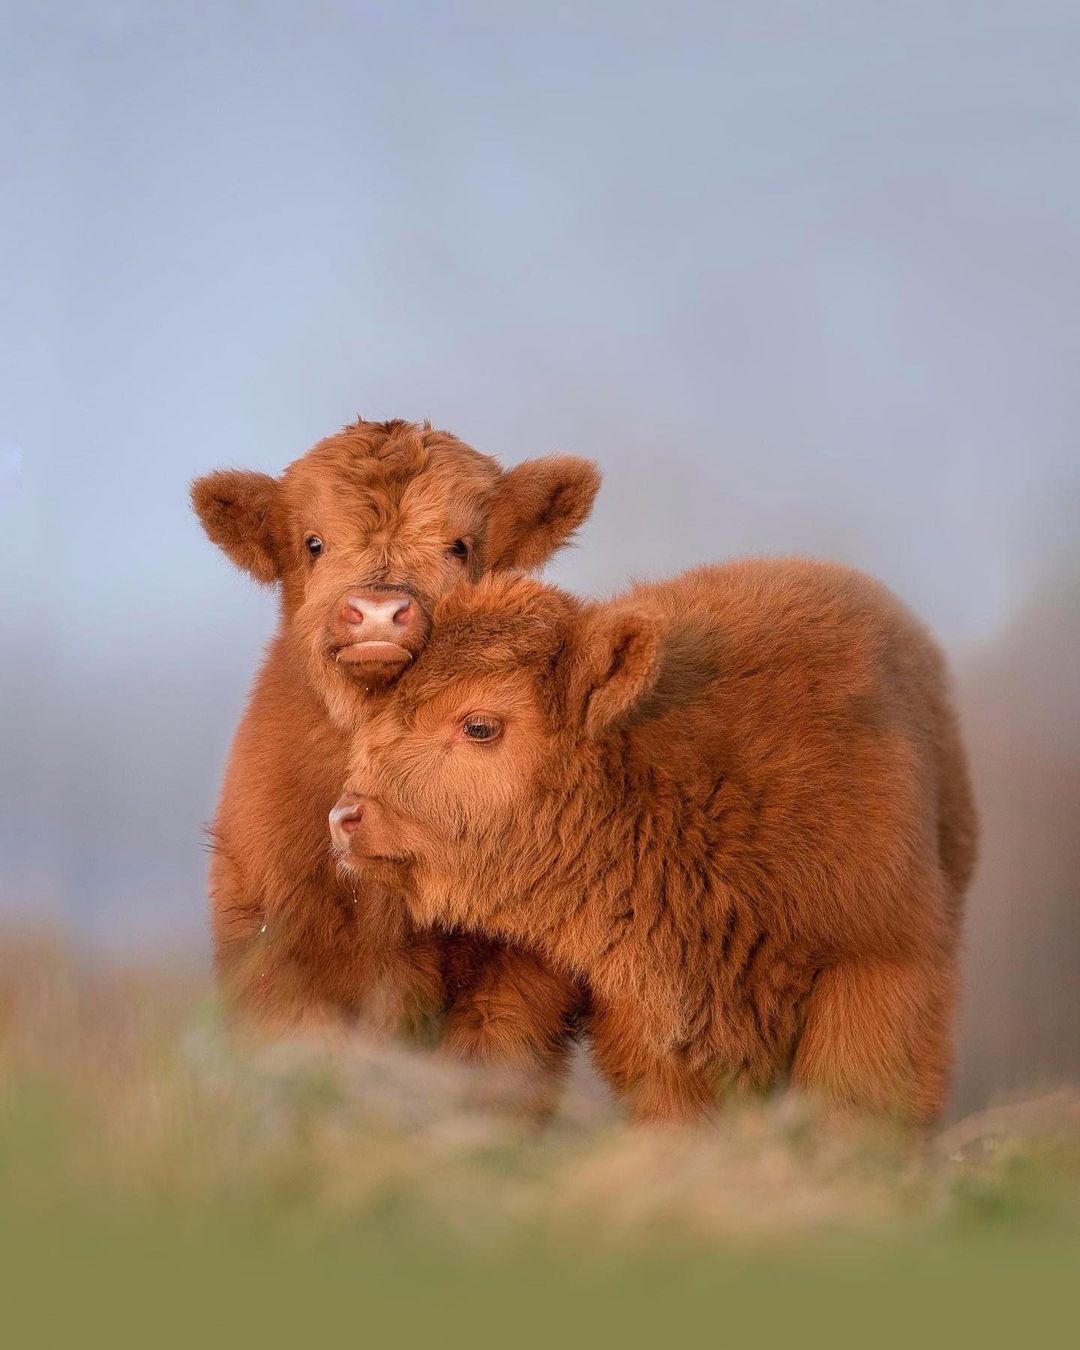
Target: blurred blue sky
<point>802,277</point>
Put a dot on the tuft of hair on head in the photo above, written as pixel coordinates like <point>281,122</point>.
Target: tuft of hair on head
<point>508,597</point>
<point>507,619</point>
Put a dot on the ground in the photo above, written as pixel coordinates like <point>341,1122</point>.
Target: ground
<point>149,1162</point>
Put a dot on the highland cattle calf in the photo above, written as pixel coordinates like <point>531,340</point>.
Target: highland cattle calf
<point>361,536</point>
<point>735,803</point>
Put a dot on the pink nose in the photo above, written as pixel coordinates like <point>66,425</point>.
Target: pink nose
<point>377,609</point>
<point>344,818</point>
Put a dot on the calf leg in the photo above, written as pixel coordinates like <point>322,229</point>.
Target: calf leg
<point>323,959</point>
<point>876,1037</point>
<point>657,1086</point>
<point>508,1008</point>
<point>264,985</point>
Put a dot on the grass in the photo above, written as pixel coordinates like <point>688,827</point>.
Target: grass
<point>156,1176</point>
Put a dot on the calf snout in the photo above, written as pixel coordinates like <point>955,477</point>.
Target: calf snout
<point>345,818</point>
<point>378,629</point>
<point>378,610</point>
<point>364,833</point>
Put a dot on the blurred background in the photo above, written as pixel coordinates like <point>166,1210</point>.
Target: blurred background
<point>801,277</point>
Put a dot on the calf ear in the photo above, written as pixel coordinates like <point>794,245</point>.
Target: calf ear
<point>616,665</point>
<point>236,508</point>
<point>537,507</point>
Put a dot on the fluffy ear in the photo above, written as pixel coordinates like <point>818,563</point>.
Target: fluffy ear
<point>616,665</point>
<point>537,507</point>
<point>236,507</point>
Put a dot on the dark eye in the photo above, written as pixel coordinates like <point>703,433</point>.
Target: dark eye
<point>314,545</point>
<point>459,548</point>
<point>479,727</point>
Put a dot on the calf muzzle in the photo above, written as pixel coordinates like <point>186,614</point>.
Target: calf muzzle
<point>377,628</point>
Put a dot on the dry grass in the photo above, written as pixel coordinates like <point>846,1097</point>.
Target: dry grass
<point>162,1184</point>
<point>118,1085</point>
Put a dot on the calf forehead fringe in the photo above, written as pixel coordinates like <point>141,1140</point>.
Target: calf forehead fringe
<point>504,623</point>
<point>392,453</point>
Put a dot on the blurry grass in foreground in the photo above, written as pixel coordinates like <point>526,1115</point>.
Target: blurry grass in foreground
<point>159,1181</point>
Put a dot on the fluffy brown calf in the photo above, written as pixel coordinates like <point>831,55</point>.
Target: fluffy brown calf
<point>736,803</point>
<point>362,535</point>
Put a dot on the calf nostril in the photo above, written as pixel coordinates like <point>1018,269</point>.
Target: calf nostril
<point>345,818</point>
<point>403,612</point>
<point>351,613</point>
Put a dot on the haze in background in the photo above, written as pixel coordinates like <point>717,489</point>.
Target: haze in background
<point>801,277</point>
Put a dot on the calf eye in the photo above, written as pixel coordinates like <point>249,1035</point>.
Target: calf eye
<point>314,545</point>
<point>481,728</point>
<point>459,548</point>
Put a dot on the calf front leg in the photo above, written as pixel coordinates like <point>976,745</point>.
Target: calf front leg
<point>321,958</point>
<point>657,1087</point>
<point>508,1008</point>
<point>877,1037</point>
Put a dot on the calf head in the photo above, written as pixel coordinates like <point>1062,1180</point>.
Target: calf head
<point>366,531</point>
<point>480,774</point>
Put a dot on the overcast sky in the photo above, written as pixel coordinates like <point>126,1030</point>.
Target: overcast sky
<point>802,277</point>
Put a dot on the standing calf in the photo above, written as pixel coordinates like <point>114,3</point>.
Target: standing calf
<point>736,803</point>
<point>362,535</point>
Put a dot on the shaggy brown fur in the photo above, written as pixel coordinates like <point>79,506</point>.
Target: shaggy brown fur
<point>396,510</point>
<point>735,802</point>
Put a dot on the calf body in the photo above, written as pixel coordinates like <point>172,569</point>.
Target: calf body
<point>362,535</point>
<point>735,803</point>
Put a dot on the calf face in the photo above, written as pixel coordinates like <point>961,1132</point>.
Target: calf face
<point>453,770</point>
<point>369,528</point>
